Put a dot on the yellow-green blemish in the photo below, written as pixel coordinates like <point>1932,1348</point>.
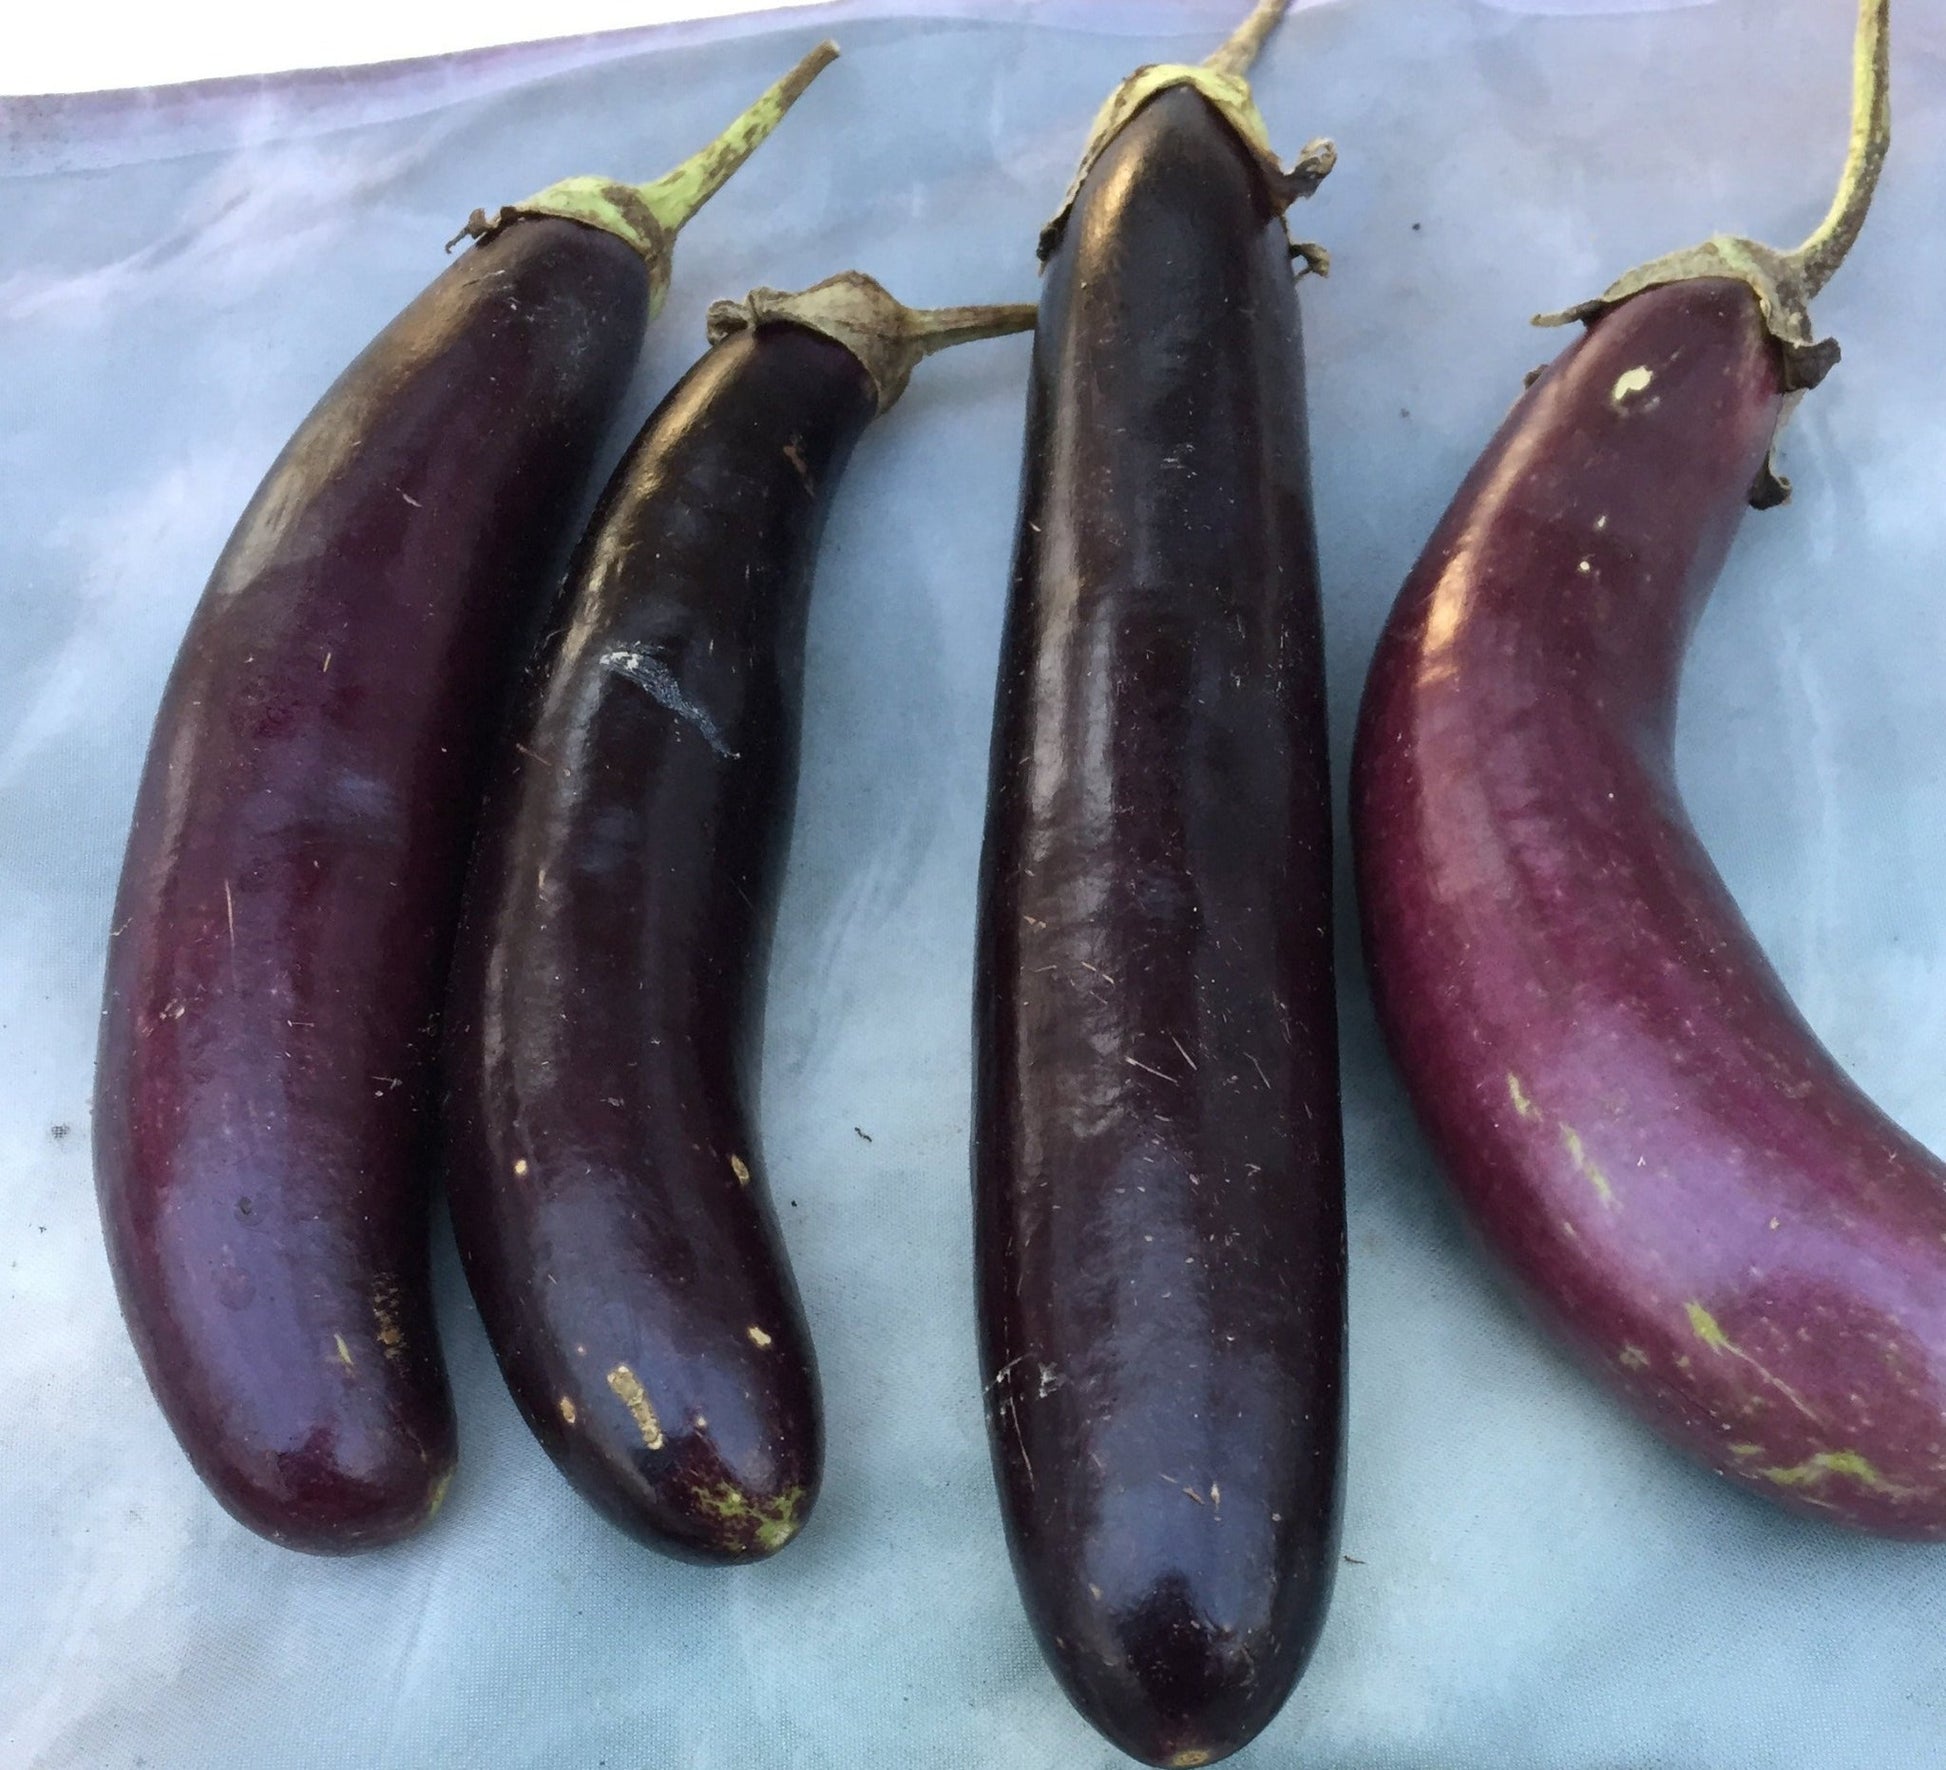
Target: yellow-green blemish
<point>1589,1170</point>
<point>1635,1358</point>
<point>1706,1328</point>
<point>1834,1462</point>
<point>344,1351</point>
<point>629,1391</point>
<point>1703,1325</point>
<point>1629,382</point>
<point>1745,1450</point>
<point>740,1169</point>
<point>567,1410</point>
<point>1518,1095</point>
<point>437,1497</point>
<point>1189,1760</point>
<point>757,1337</point>
<point>771,1522</point>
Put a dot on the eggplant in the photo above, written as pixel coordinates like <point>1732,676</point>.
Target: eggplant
<point>1158,1165</point>
<point>265,1096</point>
<point>1680,1180</point>
<point>607,1003</point>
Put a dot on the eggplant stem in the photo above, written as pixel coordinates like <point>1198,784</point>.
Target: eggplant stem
<point>1784,283</point>
<point>1240,48</point>
<point>888,338</point>
<point>940,328</point>
<point>647,217</point>
<point>676,196</point>
<point>1871,135</point>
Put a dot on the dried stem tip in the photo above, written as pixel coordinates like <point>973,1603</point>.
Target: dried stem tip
<point>1241,47</point>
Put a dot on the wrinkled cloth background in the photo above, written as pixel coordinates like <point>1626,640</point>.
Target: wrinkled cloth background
<point>1539,1585</point>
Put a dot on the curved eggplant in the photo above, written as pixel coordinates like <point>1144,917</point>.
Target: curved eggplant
<point>264,1093</point>
<point>606,1191</point>
<point>1157,1152</point>
<point>1682,1181</point>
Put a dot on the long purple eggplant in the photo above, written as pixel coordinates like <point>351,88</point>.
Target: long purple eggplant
<point>1159,1192</point>
<point>607,1193</point>
<point>1681,1180</point>
<point>264,1094</point>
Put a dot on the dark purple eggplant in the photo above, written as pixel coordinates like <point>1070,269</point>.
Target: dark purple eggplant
<point>607,1195</point>
<point>1158,1167</point>
<point>264,1099</point>
<point>1681,1180</point>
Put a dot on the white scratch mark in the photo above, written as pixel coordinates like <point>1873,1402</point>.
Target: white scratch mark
<point>642,667</point>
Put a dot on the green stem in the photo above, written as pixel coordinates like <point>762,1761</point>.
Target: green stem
<point>676,196</point>
<point>647,217</point>
<point>1240,49</point>
<point>1871,135</point>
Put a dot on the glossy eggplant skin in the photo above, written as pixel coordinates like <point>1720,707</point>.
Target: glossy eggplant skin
<point>607,1002</point>
<point>1159,1194</point>
<point>1683,1183</point>
<point>265,1095</point>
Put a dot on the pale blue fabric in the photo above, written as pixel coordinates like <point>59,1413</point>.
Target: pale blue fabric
<point>1539,1585</point>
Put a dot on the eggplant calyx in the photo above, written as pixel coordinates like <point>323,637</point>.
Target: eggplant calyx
<point>1775,278</point>
<point>1227,94</point>
<point>1223,81</point>
<point>888,338</point>
<point>1784,283</point>
<point>649,216</point>
<point>604,203</point>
